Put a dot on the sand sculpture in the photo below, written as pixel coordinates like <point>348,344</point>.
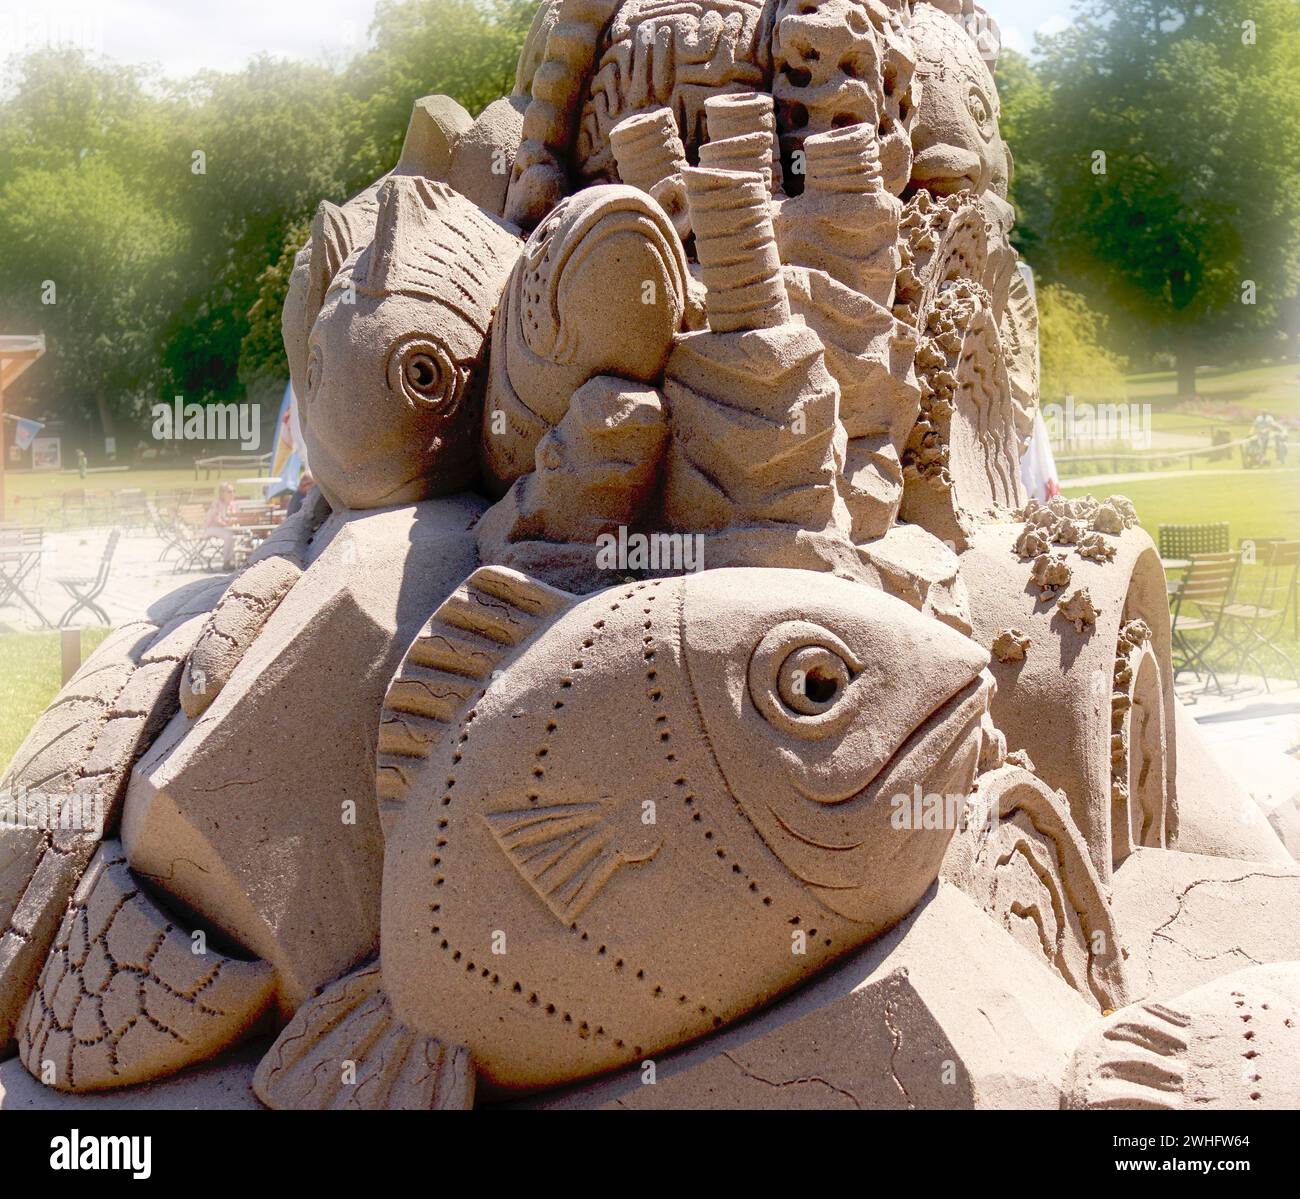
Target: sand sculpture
<point>670,667</point>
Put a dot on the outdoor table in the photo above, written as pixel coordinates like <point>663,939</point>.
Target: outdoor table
<point>17,561</point>
<point>254,535</point>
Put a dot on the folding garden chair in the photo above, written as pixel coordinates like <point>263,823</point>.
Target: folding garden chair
<point>1198,607</point>
<point>1178,543</point>
<point>132,509</point>
<point>75,508</point>
<point>85,592</point>
<point>164,510</point>
<point>1255,626</point>
<point>197,548</point>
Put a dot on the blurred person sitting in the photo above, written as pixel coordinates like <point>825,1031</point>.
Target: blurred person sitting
<point>1261,433</point>
<point>299,497</point>
<point>222,521</point>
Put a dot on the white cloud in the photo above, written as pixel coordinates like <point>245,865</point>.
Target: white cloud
<point>1014,39</point>
<point>1053,25</point>
<point>184,36</point>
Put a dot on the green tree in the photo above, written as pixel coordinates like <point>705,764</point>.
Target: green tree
<point>167,215</point>
<point>1024,97</point>
<point>254,152</point>
<point>1166,156</point>
<point>1072,339</point>
<point>90,245</point>
<point>458,48</point>
<point>466,49</point>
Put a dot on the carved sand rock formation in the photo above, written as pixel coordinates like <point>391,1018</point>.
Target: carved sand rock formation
<point>670,665</point>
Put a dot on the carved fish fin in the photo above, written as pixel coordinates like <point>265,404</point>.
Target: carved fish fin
<point>346,1049</point>
<point>332,240</point>
<point>483,624</point>
<point>566,852</point>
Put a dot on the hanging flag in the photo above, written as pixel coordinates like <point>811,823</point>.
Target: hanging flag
<point>26,434</point>
<point>1038,466</point>
<point>288,457</point>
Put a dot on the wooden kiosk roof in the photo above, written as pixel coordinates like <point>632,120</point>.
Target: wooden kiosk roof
<point>17,353</point>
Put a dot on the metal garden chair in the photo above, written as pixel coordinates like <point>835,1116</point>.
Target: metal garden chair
<point>1198,607</point>
<point>1255,626</point>
<point>198,549</point>
<point>84,592</point>
<point>1181,542</point>
<point>21,551</point>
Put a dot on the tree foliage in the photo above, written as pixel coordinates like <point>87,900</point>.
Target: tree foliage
<point>1073,340</point>
<point>166,215</point>
<point>1160,154</point>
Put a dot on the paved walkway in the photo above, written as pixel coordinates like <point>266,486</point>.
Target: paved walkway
<point>137,579</point>
<point>1255,731</point>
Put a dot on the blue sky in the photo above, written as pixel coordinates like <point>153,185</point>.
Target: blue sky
<point>1021,19</point>
<point>183,36</point>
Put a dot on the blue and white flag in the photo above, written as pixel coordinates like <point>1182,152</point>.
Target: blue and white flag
<point>288,459</point>
<point>27,433</point>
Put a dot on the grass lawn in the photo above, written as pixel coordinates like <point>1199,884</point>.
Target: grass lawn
<point>1274,388</point>
<point>27,492</point>
<point>1235,395</point>
<point>1257,504</point>
<point>30,666</point>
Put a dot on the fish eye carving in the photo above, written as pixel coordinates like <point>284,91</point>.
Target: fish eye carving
<point>982,112</point>
<point>801,678</point>
<point>422,371</point>
<point>811,679</point>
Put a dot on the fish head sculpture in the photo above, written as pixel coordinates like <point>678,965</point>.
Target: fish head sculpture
<point>647,792</point>
<point>829,708</point>
<point>397,353</point>
<point>956,142</point>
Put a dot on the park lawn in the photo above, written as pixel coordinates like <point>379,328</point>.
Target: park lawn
<point>1256,504</point>
<point>29,678</point>
<point>1193,428</point>
<point>1274,388</point>
<point>26,491</point>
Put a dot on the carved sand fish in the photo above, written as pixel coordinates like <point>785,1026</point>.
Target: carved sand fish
<point>618,822</point>
<point>391,403</point>
<point>1230,1043</point>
